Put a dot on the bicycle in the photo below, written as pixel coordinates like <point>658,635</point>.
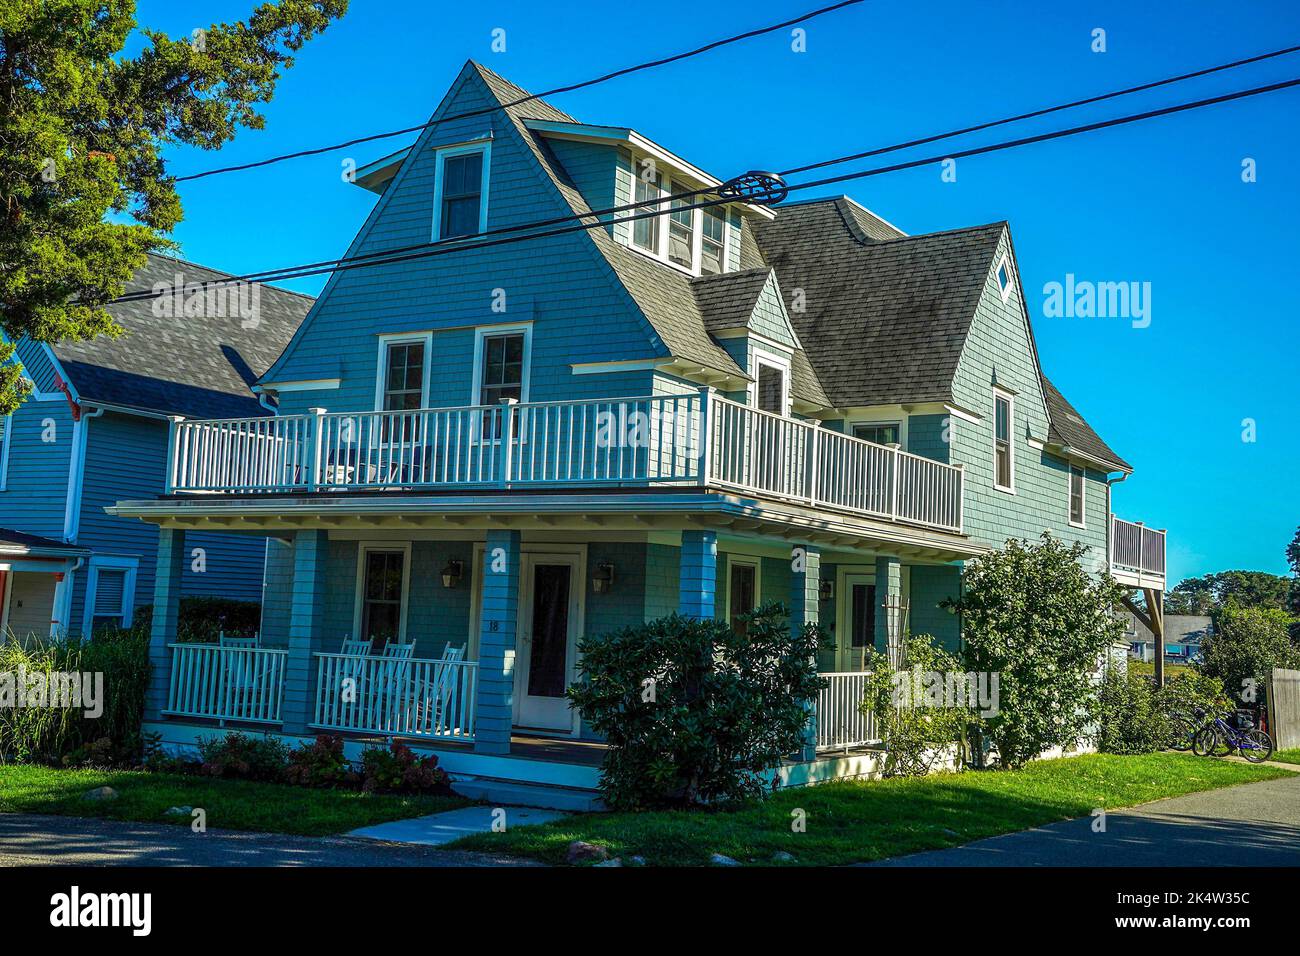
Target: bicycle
<point>1221,737</point>
<point>1182,729</point>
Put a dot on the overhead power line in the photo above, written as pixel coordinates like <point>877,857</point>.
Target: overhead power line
<point>462,244</point>
<point>625,71</point>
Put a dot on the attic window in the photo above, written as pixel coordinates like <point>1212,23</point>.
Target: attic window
<point>713,242</point>
<point>460,191</point>
<point>1005,282</point>
<point>692,240</point>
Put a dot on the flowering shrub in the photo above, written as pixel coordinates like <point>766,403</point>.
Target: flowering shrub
<point>399,770</point>
<point>321,764</point>
<point>242,757</point>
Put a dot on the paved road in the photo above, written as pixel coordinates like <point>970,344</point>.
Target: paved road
<point>29,839</point>
<point>1256,824</point>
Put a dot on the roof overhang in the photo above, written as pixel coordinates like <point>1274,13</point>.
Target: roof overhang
<point>607,135</point>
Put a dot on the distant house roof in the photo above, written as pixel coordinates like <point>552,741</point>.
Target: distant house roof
<point>14,543</point>
<point>178,364</point>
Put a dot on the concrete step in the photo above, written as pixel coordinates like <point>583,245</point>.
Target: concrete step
<point>514,793</point>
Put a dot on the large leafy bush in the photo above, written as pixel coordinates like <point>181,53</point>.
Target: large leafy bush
<point>243,757</point>
<point>1135,717</point>
<point>1247,643</point>
<point>50,735</point>
<point>1034,616</point>
<point>202,619</point>
<point>695,711</point>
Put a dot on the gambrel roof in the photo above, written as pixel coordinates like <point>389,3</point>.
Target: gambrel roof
<point>195,365</point>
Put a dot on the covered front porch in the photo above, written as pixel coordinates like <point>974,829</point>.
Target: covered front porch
<point>458,630</point>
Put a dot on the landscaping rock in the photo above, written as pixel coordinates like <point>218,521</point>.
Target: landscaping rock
<point>636,861</point>
<point>580,852</point>
<point>100,793</point>
<point>614,862</point>
<point>719,859</point>
<point>178,811</point>
<point>780,856</point>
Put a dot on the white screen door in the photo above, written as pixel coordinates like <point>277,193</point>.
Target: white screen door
<point>548,632</point>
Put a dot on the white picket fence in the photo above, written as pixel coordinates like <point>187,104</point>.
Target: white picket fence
<point>227,683</point>
<point>841,722</point>
<point>408,698</point>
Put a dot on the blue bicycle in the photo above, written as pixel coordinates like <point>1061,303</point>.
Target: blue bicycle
<point>1234,732</point>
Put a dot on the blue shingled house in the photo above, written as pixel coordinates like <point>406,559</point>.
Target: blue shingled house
<point>480,456</point>
<point>94,429</point>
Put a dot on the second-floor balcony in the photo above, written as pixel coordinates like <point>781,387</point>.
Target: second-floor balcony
<point>693,439</point>
<point>1137,554</point>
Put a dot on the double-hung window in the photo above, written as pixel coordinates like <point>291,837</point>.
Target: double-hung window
<point>461,191</point>
<point>645,232</point>
<point>502,372</point>
<point>680,231</point>
<point>713,241</point>
<point>401,384</point>
<point>1077,506</point>
<point>1004,468</point>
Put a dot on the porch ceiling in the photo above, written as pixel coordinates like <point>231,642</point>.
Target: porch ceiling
<point>633,512</point>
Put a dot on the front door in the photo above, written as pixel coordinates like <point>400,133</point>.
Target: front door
<point>548,631</point>
<point>857,621</point>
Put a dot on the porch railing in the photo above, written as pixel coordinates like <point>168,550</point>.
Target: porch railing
<point>665,440</point>
<point>841,723</point>
<point>1136,548</point>
<point>227,683</point>
<point>407,698</point>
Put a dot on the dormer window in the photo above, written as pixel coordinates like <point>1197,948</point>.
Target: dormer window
<point>771,388</point>
<point>693,240</point>
<point>460,191</point>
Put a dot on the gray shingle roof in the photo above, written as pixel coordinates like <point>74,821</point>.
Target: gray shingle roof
<point>1067,427</point>
<point>884,318</point>
<point>727,301</point>
<point>20,542</point>
<point>183,365</point>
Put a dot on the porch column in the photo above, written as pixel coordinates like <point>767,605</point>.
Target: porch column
<point>698,581</point>
<point>805,577</point>
<point>498,630</point>
<point>166,614</point>
<point>306,624</point>
<point>889,592</point>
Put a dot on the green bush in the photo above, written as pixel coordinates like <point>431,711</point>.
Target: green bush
<point>241,757</point>
<point>913,731</point>
<point>1247,643</point>
<point>321,764</point>
<point>399,770</point>
<point>1135,717</point>
<point>694,711</point>
<point>202,619</point>
<point>47,734</point>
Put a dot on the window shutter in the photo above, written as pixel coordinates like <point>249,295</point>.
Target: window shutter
<point>110,587</point>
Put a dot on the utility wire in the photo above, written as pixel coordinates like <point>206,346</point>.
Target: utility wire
<point>627,207</point>
<point>761,31</point>
<point>460,244</point>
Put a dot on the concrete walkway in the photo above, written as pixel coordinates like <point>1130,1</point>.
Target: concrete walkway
<point>440,828</point>
<point>34,840</point>
<point>1254,824</point>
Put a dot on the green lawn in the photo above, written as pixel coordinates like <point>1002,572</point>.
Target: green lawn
<point>851,821</point>
<point>230,804</point>
<point>1287,756</point>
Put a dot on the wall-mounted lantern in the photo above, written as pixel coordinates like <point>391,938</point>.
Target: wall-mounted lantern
<point>602,579</point>
<point>451,573</point>
<point>826,590</point>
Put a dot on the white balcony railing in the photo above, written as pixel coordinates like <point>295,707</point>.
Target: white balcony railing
<point>227,683</point>
<point>666,440</point>
<point>1136,549</point>
<point>841,722</point>
<point>408,698</point>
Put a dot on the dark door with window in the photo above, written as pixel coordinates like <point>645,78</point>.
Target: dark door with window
<point>381,607</point>
<point>548,630</point>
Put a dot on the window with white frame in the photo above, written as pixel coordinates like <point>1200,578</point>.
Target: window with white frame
<point>771,388</point>
<point>881,433</point>
<point>694,240</point>
<point>1077,504</point>
<point>1004,467</point>
<point>501,359</point>
<point>381,597</point>
<point>1005,280</point>
<point>460,191</point>
<point>403,375</point>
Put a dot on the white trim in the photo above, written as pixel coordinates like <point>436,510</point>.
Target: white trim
<point>6,436</point>
<point>483,146</point>
<point>77,474</point>
<point>1083,496</point>
<point>130,565</point>
<point>305,385</point>
<point>622,365</point>
<point>1000,392</point>
<point>962,414</point>
<point>1005,290</point>
<point>484,332</point>
<point>759,357</point>
<point>363,547</point>
<point>381,363</point>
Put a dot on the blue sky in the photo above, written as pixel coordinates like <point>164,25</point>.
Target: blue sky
<point>1160,202</point>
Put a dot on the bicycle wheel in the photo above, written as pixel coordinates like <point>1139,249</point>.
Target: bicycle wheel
<point>1182,732</point>
<point>1256,746</point>
<point>1206,741</point>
